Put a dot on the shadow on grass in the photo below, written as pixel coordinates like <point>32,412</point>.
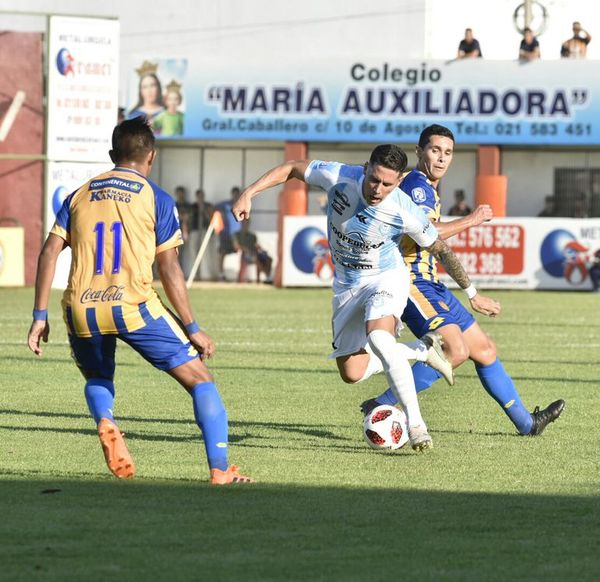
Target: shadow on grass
<point>240,430</point>
<point>59,529</point>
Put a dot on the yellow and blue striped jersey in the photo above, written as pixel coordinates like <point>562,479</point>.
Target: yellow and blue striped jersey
<point>421,264</point>
<point>115,225</point>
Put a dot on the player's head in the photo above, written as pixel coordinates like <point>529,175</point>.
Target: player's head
<point>435,151</point>
<point>576,27</point>
<point>133,143</point>
<point>528,34</point>
<point>468,34</point>
<point>383,172</point>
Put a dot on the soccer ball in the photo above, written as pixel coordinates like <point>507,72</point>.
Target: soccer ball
<point>385,427</point>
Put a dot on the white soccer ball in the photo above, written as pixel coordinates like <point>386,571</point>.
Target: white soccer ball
<point>386,427</point>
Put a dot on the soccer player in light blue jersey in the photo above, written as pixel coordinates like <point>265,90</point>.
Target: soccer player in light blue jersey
<point>367,215</point>
<point>431,306</point>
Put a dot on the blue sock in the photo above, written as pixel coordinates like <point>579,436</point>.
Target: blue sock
<point>211,417</point>
<point>100,395</point>
<point>424,376</point>
<point>499,385</point>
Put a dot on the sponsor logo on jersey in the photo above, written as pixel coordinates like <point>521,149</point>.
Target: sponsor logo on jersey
<point>117,184</point>
<point>340,202</point>
<point>355,239</point>
<point>418,194</point>
<point>111,293</point>
<point>110,195</point>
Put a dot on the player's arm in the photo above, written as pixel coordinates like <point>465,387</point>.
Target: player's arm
<point>443,253</point>
<point>483,213</point>
<point>278,175</point>
<point>173,282</point>
<point>40,328</point>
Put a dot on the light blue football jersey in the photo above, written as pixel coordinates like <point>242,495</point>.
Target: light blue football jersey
<point>364,239</point>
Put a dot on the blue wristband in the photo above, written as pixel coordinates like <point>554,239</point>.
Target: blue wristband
<point>192,327</point>
<point>40,314</point>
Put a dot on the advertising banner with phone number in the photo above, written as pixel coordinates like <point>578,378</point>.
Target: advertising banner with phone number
<point>372,100</point>
<point>529,253</point>
<point>518,253</point>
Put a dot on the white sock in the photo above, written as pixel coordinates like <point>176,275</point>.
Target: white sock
<point>398,372</point>
<point>414,351</point>
<point>375,366</point>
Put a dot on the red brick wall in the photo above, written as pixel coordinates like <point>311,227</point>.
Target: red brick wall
<point>22,181</point>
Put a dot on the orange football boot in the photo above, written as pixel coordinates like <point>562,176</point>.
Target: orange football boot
<point>117,456</point>
<point>229,477</point>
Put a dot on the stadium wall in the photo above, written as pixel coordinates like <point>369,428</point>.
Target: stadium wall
<point>21,165</point>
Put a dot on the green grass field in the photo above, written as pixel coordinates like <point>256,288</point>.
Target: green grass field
<point>485,504</point>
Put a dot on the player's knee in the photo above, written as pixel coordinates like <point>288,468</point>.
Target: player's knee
<point>458,354</point>
<point>351,376</point>
<point>485,354</point>
<point>489,351</point>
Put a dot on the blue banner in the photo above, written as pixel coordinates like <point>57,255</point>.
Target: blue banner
<point>483,102</point>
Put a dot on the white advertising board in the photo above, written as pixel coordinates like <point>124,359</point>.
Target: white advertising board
<point>83,84</point>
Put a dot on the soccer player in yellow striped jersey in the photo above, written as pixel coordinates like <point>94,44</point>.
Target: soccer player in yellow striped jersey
<point>431,305</point>
<point>421,263</point>
<point>117,224</point>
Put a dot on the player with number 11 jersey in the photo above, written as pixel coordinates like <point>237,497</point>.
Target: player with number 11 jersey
<point>110,285</point>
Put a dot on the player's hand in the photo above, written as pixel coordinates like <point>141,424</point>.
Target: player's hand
<point>483,213</point>
<point>242,206</point>
<point>203,343</point>
<point>38,331</point>
<point>485,305</point>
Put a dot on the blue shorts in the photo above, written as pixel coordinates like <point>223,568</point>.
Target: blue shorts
<point>161,342</point>
<point>432,305</point>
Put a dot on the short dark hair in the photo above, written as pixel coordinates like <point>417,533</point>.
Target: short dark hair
<point>132,140</point>
<point>389,156</point>
<point>432,130</point>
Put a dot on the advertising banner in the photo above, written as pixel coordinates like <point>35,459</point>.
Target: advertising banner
<point>12,256</point>
<point>519,253</point>
<point>530,253</point>
<point>83,83</point>
<point>62,179</point>
<point>344,100</point>
<point>306,258</point>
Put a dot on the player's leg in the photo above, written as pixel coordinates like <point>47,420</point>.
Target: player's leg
<point>431,307</point>
<point>163,343</point>
<point>95,358</point>
<point>500,386</point>
<point>383,307</point>
<point>354,355</point>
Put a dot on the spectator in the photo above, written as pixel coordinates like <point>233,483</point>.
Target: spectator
<point>549,207</point>
<point>576,46</point>
<point>580,207</point>
<point>530,47</point>
<point>230,227</point>
<point>469,47</point>
<point>460,207</point>
<point>252,254</point>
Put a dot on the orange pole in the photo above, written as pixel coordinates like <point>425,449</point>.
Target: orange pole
<point>492,190</point>
<point>490,186</point>
<point>293,200</point>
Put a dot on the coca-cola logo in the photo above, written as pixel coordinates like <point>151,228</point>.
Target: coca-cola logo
<point>111,293</point>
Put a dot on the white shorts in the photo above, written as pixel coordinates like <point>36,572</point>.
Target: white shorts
<point>383,295</point>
